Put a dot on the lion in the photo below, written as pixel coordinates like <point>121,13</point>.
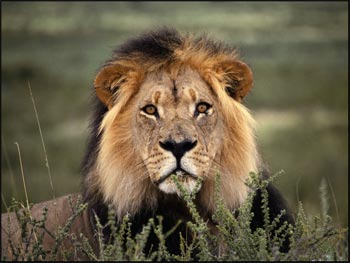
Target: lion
<point>168,105</point>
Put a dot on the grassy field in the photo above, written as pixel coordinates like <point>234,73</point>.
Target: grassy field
<point>298,53</point>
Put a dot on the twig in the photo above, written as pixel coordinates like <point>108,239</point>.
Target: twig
<point>12,177</point>
<point>4,201</point>
<point>42,140</point>
<point>24,184</point>
<point>22,173</point>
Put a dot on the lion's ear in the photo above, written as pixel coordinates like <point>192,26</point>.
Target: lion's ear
<point>108,81</point>
<point>238,79</point>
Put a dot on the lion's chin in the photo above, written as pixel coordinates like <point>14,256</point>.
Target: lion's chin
<point>169,187</point>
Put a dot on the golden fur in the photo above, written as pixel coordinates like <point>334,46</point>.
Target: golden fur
<point>129,157</point>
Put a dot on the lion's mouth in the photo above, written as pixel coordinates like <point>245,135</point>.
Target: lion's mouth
<point>178,172</point>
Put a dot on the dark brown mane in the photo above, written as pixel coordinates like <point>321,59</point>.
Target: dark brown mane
<point>161,45</point>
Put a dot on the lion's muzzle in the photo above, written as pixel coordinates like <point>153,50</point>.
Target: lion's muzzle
<point>178,150</point>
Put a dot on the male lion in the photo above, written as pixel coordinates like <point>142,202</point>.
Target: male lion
<point>168,104</point>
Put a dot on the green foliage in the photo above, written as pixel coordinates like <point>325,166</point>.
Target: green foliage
<point>33,231</point>
<point>310,239</point>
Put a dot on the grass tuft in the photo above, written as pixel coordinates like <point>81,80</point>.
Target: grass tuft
<point>314,238</point>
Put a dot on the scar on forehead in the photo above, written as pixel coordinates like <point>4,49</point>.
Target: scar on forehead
<point>156,97</point>
<point>193,94</point>
<point>174,91</point>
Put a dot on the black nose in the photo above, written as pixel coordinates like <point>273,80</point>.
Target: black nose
<point>178,149</point>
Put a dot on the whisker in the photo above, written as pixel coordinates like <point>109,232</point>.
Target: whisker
<point>140,165</point>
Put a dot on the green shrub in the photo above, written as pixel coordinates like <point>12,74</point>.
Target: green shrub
<point>310,238</point>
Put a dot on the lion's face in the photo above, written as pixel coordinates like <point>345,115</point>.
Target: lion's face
<point>177,128</point>
<point>173,106</point>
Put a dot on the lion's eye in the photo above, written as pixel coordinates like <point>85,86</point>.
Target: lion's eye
<point>150,109</point>
<point>203,107</point>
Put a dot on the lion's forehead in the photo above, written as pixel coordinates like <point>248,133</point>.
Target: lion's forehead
<point>166,89</point>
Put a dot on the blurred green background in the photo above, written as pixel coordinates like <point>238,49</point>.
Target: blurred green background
<point>298,53</point>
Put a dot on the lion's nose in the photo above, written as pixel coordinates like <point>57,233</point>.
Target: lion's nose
<point>178,149</point>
